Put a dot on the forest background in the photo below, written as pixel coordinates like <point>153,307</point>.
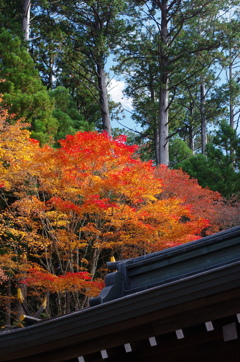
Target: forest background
<point>74,190</point>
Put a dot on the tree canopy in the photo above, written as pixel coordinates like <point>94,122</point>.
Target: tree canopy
<point>66,211</point>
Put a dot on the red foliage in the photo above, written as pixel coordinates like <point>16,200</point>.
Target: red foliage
<point>201,201</point>
<point>75,206</point>
<point>78,281</point>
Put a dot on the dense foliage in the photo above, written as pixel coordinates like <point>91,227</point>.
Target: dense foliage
<point>218,168</point>
<point>66,211</point>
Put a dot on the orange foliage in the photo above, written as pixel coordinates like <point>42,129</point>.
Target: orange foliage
<point>65,211</point>
<point>70,282</point>
<point>221,213</point>
<point>3,276</point>
<point>97,182</point>
<point>203,202</point>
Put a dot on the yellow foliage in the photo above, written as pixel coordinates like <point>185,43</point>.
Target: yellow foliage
<point>67,208</point>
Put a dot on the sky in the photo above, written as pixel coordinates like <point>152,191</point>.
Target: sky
<point>115,90</point>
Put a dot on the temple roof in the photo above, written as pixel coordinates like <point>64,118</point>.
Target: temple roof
<point>183,299</point>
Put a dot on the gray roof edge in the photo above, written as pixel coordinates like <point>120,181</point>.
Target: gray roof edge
<point>199,243</point>
<point>204,284</point>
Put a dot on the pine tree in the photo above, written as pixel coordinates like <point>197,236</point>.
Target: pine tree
<point>176,43</point>
<point>24,93</point>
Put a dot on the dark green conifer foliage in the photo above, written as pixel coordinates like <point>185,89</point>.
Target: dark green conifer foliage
<point>24,93</point>
<point>65,111</point>
<point>219,169</point>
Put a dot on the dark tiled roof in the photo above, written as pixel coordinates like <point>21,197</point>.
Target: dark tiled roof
<point>149,296</point>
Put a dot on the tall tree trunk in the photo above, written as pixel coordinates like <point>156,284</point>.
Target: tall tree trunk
<point>203,117</point>
<point>26,8</point>
<point>191,128</point>
<point>50,73</point>
<point>103,98</point>
<point>154,120</point>
<point>163,127</point>
<point>163,94</point>
<point>156,144</point>
<point>191,139</point>
<point>95,259</point>
<point>231,102</point>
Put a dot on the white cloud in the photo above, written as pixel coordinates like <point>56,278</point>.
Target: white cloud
<point>115,89</point>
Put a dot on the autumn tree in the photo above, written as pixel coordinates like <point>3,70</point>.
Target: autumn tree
<point>222,213</point>
<point>17,184</point>
<point>3,276</point>
<point>65,211</point>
